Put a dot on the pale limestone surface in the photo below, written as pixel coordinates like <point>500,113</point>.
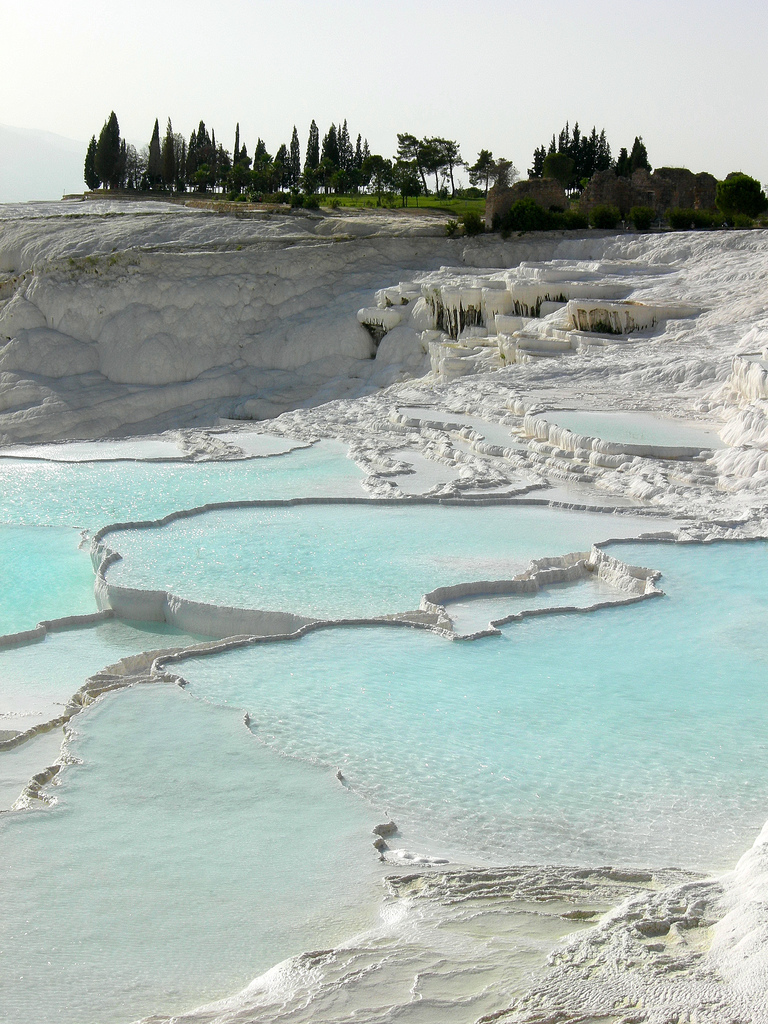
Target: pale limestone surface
<point>274,325</point>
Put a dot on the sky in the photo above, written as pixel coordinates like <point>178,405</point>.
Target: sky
<point>689,77</point>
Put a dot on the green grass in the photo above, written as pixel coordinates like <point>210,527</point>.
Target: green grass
<point>455,207</point>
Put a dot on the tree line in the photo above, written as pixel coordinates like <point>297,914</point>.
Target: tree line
<point>334,164</point>
<point>572,157</point>
<point>173,163</point>
<point>331,164</point>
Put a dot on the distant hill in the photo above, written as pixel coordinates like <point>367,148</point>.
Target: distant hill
<point>39,165</point>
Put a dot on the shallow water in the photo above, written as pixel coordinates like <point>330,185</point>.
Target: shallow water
<point>613,737</point>
<point>334,561</point>
<point>187,854</point>
<point>38,679</point>
<point>182,860</point>
<point>634,428</point>
<point>43,575</point>
<point>92,494</point>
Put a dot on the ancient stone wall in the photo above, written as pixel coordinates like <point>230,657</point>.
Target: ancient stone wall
<point>666,188</point>
<point>545,191</point>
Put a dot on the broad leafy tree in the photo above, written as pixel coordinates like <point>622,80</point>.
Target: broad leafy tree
<point>481,171</point>
<point>559,166</point>
<point>740,194</point>
<point>378,171</point>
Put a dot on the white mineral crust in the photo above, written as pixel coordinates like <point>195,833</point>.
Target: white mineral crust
<point>420,350</point>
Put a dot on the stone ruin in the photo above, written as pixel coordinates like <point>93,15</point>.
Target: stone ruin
<point>545,191</point>
<point>666,188</point>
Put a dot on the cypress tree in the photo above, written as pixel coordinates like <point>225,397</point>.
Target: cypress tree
<point>359,152</point>
<point>107,159</point>
<point>155,160</point>
<point>168,158</point>
<point>312,159</point>
<point>346,153</point>
<point>639,156</point>
<point>331,147</point>
<point>90,175</point>
<point>295,158</point>
<point>623,164</point>
<point>122,162</point>
<point>281,164</point>
<point>236,153</point>
<point>191,164</point>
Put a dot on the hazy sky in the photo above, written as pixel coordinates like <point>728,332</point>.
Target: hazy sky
<point>690,77</point>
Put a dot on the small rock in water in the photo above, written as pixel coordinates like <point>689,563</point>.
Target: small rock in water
<point>339,776</point>
<point>388,828</point>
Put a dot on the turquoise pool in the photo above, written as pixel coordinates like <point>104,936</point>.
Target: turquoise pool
<point>333,561</point>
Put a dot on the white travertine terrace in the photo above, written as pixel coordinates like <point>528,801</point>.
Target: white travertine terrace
<point>133,319</point>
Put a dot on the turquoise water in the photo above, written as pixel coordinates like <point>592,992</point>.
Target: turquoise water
<point>93,494</point>
<point>43,575</point>
<point>182,860</point>
<point>614,737</point>
<point>38,679</point>
<point>348,560</point>
<point>634,428</point>
<point>187,854</point>
<point>471,614</point>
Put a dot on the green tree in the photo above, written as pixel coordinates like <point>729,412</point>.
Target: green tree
<point>410,148</point>
<point>537,168</point>
<point>90,175</point>
<point>330,151</point>
<point>559,166</point>
<point>638,158</point>
<point>168,157</point>
<point>503,173</point>
<point>107,159</point>
<point>481,171</point>
<point>155,162</point>
<point>740,194</point>
<point>378,170</point>
<point>623,164</point>
<point>450,156</point>
<point>432,158</point>
<point>405,179</point>
<point>312,157</point>
<point>346,152</point>
<point>294,161</point>
<point>281,159</point>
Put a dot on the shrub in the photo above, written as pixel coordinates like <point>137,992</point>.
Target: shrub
<point>473,223</point>
<point>681,219</point>
<point>334,203</point>
<point>296,199</point>
<point>470,193</point>
<point>740,194</point>
<point>741,220</point>
<point>525,215</point>
<point>605,217</point>
<point>575,219</point>
<point>642,217</point>
<point>451,227</point>
<point>311,202</point>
